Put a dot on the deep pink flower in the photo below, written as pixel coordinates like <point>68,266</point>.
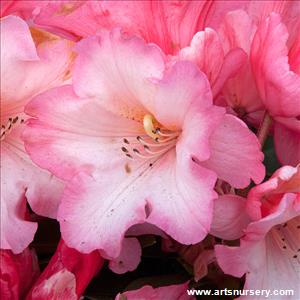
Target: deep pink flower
<point>67,274</point>
<point>17,273</point>
<point>140,133</point>
<point>270,80</point>
<point>169,24</point>
<point>147,292</point>
<point>269,250</point>
<point>277,75</point>
<point>24,9</point>
<point>26,69</point>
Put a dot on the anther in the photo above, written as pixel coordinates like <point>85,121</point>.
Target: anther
<point>125,141</point>
<point>124,149</point>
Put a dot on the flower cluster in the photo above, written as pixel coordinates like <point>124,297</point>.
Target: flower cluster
<point>124,119</point>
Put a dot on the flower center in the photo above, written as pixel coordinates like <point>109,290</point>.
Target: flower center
<point>287,237</point>
<point>9,125</point>
<point>153,144</point>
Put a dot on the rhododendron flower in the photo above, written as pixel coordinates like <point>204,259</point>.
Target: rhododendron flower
<point>166,292</point>
<point>26,69</point>
<point>278,80</point>
<point>17,273</point>
<point>139,142</point>
<point>67,274</point>
<point>169,24</point>
<point>269,249</point>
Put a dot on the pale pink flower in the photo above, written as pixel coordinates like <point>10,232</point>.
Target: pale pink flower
<point>147,292</point>
<point>269,250</point>
<point>67,274</point>
<point>145,142</point>
<point>17,273</point>
<point>26,69</point>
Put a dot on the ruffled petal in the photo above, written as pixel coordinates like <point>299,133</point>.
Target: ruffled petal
<point>130,198</point>
<point>183,86</point>
<point>116,69</point>
<point>235,153</point>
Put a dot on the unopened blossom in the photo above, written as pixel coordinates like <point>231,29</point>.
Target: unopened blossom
<point>17,273</point>
<point>269,250</point>
<point>138,142</point>
<point>27,67</point>
<point>147,292</point>
<point>67,274</point>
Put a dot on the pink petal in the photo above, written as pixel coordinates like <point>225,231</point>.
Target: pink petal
<point>64,139</point>
<point>169,24</point>
<point>278,86</point>
<point>183,86</point>
<point>23,179</point>
<point>126,199</point>
<point>147,292</point>
<point>25,10</point>
<point>129,258</point>
<point>235,153</point>
<point>206,51</point>
<point>28,70</point>
<point>17,273</point>
<point>115,68</point>
<point>263,198</point>
<point>237,31</point>
<point>229,217</point>
<point>287,140</point>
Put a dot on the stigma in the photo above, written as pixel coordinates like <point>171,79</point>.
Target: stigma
<point>149,127</point>
<point>153,144</point>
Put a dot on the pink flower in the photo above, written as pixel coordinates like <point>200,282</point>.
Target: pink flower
<point>169,24</point>
<point>144,142</point>
<point>26,69</point>
<point>270,80</point>
<point>24,9</point>
<point>206,50</point>
<point>67,274</point>
<point>269,250</point>
<point>17,273</point>
<point>149,293</point>
<point>278,80</point>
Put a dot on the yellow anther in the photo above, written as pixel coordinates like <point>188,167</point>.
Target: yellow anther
<point>149,127</point>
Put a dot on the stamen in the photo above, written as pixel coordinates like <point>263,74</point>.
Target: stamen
<point>164,134</point>
<point>6,129</point>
